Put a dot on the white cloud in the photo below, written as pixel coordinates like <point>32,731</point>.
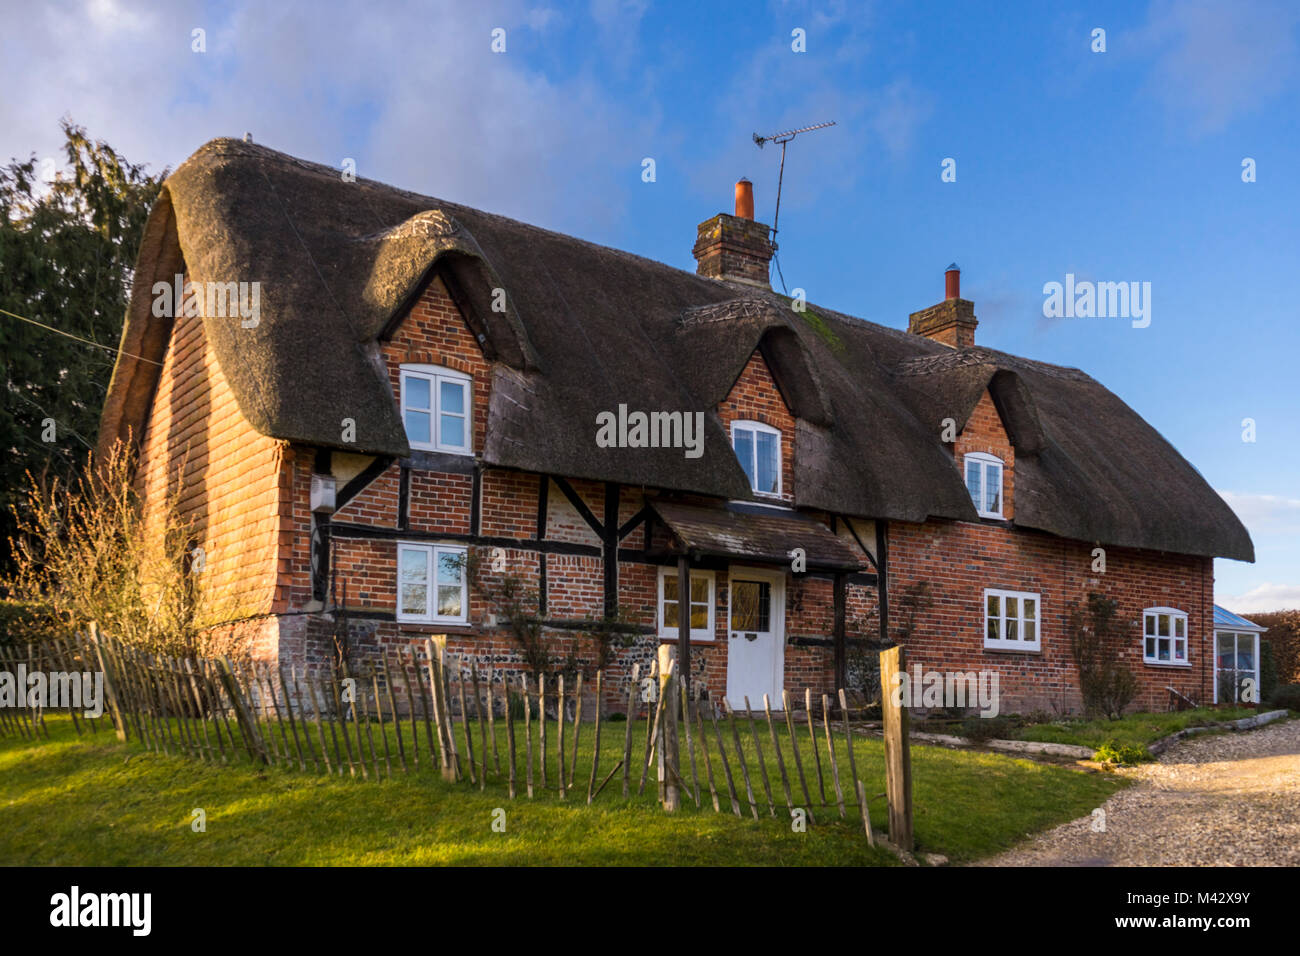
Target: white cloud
<point>1266,597</point>
<point>1213,61</point>
<point>1265,514</point>
<point>415,95</point>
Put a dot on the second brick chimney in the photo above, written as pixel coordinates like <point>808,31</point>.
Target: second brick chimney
<point>735,248</point>
<point>952,321</point>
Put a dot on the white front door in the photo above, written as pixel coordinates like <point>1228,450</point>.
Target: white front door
<point>755,637</point>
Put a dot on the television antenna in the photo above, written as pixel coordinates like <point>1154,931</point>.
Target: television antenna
<point>784,138</point>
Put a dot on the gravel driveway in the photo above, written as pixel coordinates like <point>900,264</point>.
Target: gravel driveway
<point>1223,800</point>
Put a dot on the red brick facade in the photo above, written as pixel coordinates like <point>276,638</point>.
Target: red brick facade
<point>260,526</point>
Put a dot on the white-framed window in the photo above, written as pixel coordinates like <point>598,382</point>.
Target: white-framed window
<point>701,604</point>
<point>1236,660</point>
<point>984,482</point>
<point>436,408</point>
<point>1012,620</point>
<point>1164,636</point>
<point>432,585</point>
<point>758,447</point>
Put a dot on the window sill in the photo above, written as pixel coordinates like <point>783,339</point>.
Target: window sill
<point>444,461</point>
<point>434,450</point>
<point>997,649</point>
<point>457,627</point>
<point>695,639</point>
<point>1167,663</point>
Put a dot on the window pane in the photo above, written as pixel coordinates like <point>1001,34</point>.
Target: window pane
<point>670,614</point>
<point>670,587</point>
<point>764,606</point>
<point>450,564</point>
<point>973,481</point>
<point>452,431</point>
<point>1151,647</point>
<point>413,594</point>
<point>1151,623</point>
<point>417,426</point>
<point>744,605</point>
<point>993,488</point>
<point>767,451</point>
<point>1245,652</point>
<point>991,630</point>
<point>451,397</point>
<point>1225,651</point>
<point>1180,649</point>
<point>744,441</point>
<point>699,617</point>
<point>1013,633</point>
<point>699,589</point>
<point>1013,607</point>
<point>994,606</point>
<point>1030,609</point>
<point>1162,645</point>
<point>1162,625</point>
<point>417,392</point>
<point>1180,625</point>
<point>415,598</point>
<point>1030,629</point>
<point>449,600</point>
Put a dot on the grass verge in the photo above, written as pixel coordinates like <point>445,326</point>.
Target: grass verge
<point>1132,729</point>
<point>93,801</point>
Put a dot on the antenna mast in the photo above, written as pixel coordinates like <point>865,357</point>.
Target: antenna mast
<point>783,138</point>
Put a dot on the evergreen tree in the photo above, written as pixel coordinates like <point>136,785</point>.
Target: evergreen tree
<point>67,252</point>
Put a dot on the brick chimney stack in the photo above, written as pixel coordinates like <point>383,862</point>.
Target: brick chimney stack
<point>952,321</point>
<point>735,248</point>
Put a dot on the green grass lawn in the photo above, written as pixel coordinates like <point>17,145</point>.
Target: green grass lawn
<point>94,801</point>
<point>1133,729</point>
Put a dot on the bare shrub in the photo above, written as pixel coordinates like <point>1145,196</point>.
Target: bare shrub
<point>1106,685</point>
<point>87,550</point>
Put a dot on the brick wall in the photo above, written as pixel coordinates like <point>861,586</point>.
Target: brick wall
<point>960,559</point>
<point>226,477</point>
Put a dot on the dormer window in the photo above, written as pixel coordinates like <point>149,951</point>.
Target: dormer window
<point>984,482</point>
<point>435,409</point>
<point>758,447</point>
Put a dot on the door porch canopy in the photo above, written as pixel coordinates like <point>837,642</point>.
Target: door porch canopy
<point>755,536</point>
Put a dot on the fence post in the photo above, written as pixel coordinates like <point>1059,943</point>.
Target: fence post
<point>668,703</point>
<point>110,687</point>
<point>253,739</point>
<point>898,757</point>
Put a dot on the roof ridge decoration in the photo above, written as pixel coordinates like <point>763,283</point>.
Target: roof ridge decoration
<point>951,359</point>
<point>725,311</point>
<point>430,224</point>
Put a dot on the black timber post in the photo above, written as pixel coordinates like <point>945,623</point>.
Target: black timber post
<point>882,577</point>
<point>841,644</point>
<point>475,504</point>
<point>610,534</point>
<point>543,501</point>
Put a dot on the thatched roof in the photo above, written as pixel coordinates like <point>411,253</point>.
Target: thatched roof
<point>588,328</point>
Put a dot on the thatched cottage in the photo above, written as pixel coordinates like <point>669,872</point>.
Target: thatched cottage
<point>435,420</point>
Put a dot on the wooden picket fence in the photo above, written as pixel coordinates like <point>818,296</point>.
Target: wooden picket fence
<point>226,711</point>
<point>67,655</point>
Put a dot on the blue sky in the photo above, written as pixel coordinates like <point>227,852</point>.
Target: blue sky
<point>1117,166</point>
